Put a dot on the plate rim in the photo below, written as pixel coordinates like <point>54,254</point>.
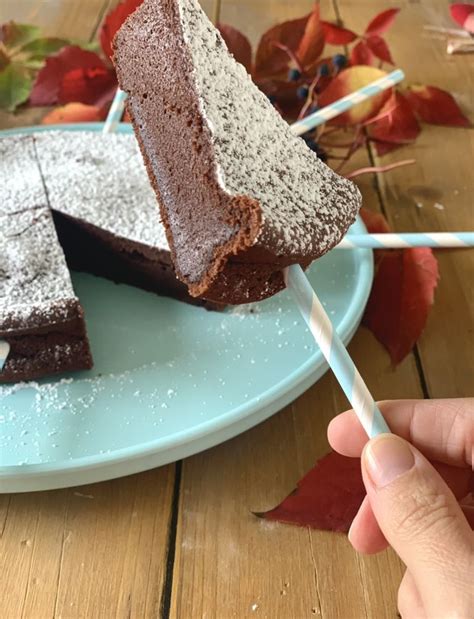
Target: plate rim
<point>268,400</point>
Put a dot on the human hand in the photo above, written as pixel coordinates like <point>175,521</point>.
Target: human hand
<point>412,505</point>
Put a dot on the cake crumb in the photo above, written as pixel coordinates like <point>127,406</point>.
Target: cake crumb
<point>439,206</point>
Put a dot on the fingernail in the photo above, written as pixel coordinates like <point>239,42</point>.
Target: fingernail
<point>387,458</point>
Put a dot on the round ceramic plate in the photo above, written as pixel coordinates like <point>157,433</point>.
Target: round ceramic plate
<point>169,379</point>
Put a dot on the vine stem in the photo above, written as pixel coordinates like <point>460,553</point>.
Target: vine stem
<point>385,168</point>
<point>217,11</point>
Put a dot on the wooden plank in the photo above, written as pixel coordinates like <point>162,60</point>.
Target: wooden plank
<point>93,551</point>
<point>74,19</point>
<point>436,193</point>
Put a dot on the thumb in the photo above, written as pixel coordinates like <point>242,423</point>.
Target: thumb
<point>421,520</point>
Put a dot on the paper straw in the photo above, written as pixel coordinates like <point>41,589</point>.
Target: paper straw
<point>306,299</point>
<point>115,113</point>
<point>335,352</point>
<point>407,239</point>
<point>346,103</point>
<point>4,350</point>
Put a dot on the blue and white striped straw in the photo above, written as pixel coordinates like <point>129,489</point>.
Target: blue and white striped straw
<point>115,113</point>
<point>335,352</point>
<point>403,240</point>
<point>306,299</point>
<point>4,350</point>
<point>346,103</point>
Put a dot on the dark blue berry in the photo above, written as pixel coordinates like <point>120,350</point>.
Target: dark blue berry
<point>294,75</point>
<point>272,99</point>
<point>339,61</point>
<point>316,148</point>
<point>302,92</point>
<point>324,70</point>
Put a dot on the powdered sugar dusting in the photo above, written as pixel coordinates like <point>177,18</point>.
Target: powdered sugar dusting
<point>33,271</point>
<point>306,206</point>
<point>101,179</point>
<point>21,185</point>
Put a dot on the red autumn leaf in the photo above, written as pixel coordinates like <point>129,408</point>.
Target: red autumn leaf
<point>401,299</point>
<point>379,48</point>
<point>312,42</point>
<point>374,222</point>
<point>435,106</point>
<point>238,45</point>
<point>73,113</point>
<point>349,81</point>
<point>382,22</point>
<point>327,498</point>
<point>89,86</point>
<point>48,81</point>
<point>270,60</point>
<point>113,21</point>
<point>337,35</point>
<point>398,126</point>
<point>463,14</point>
<point>361,54</point>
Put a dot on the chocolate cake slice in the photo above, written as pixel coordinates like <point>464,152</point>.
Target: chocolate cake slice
<point>105,210</point>
<point>240,196</point>
<point>40,316</point>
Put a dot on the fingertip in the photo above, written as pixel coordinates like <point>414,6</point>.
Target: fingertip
<point>346,435</point>
<point>365,535</point>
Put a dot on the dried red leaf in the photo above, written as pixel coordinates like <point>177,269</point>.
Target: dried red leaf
<point>401,299</point>
<point>398,126</point>
<point>379,48</point>
<point>49,79</point>
<point>312,42</point>
<point>374,222</point>
<point>327,498</point>
<point>337,35</point>
<point>463,14</point>
<point>270,60</point>
<point>89,86</point>
<point>238,45</point>
<point>382,22</point>
<point>112,22</point>
<point>361,54</point>
<point>435,106</point>
<point>73,113</point>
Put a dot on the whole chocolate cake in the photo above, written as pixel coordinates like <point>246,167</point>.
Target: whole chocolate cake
<point>40,316</point>
<point>240,196</point>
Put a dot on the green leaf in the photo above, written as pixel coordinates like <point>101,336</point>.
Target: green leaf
<point>40,48</point>
<point>89,46</point>
<point>14,35</point>
<point>15,86</point>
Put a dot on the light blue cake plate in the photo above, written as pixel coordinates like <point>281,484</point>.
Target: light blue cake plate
<point>169,379</point>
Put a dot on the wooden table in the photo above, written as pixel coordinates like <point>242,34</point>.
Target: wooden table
<point>180,541</point>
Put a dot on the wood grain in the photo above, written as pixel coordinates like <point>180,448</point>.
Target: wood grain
<point>93,551</point>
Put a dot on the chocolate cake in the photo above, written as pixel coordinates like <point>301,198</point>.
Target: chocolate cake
<point>240,196</point>
<point>40,317</point>
<point>101,199</point>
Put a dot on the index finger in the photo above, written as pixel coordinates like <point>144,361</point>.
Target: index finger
<point>442,429</point>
